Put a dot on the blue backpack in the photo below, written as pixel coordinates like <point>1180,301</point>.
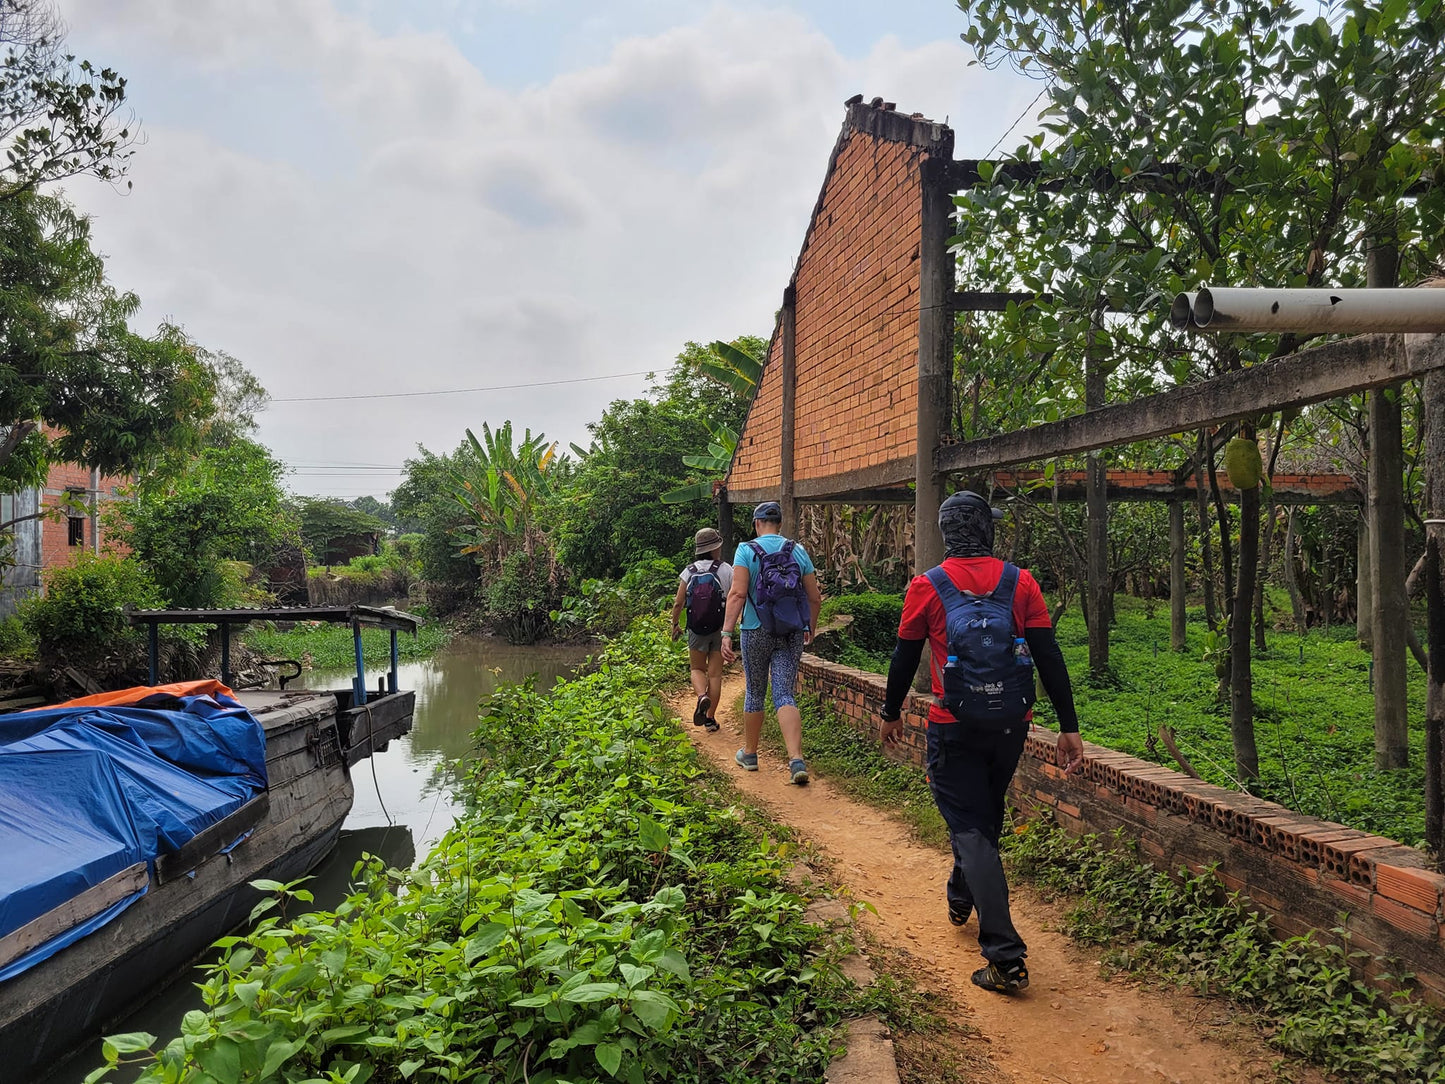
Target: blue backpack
<point>989,676</point>
<point>706,601</point>
<point>777,589</point>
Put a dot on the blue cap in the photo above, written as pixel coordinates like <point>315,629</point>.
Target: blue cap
<point>769,510</point>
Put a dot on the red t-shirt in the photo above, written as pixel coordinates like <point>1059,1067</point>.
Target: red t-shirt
<point>923,613</point>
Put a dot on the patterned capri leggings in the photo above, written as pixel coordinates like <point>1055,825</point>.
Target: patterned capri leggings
<point>767,656</point>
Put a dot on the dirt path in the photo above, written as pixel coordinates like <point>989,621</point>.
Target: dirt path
<point>1070,1026</point>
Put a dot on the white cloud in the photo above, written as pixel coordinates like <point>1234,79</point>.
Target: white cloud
<point>410,226</point>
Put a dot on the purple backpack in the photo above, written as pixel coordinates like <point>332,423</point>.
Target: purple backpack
<point>706,603</point>
<point>778,595</point>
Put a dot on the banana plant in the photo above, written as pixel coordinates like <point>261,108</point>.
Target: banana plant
<point>501,490</point>
<point>740,373</point>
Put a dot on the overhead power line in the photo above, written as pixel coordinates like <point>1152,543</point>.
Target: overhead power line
<point>457,391</point>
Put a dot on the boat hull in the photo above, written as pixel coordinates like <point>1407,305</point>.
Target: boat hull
<point>46,1012</point>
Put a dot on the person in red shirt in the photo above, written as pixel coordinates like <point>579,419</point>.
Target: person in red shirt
<point>971,761</point>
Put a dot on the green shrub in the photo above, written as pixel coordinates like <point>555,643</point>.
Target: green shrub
<point>15,639</point>
<point>606,607</point>
<point>81,615</point>
<point>600,912</point>
<point>520,600</point>
<point>875,619</point>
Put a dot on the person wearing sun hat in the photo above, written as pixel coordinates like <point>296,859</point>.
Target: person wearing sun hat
<point>702,593</point>
<point>775,592</point>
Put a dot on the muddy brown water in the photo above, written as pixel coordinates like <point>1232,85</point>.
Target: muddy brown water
<point>403,796</point>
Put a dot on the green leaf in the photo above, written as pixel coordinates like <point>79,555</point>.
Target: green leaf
<point>407,1068</point>
<point>247,992</point>
<point>652,835</point>
<point>591,991</point>
<point>131,1042</point>
<point>278,1053</point>
<point>222,1060</point>
<point>654,1009</point>
<point>609,1056</point>
<point>345,1034</point>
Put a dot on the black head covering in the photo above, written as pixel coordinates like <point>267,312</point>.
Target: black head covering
<point>967,520</point>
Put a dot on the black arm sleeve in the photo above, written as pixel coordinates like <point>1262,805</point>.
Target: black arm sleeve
<point>1044,646</point>
<point>901,669</point>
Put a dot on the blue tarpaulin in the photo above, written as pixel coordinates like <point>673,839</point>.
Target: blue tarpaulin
<point>86,792</point>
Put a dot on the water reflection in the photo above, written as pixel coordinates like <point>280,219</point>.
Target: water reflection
<point>402,805</point>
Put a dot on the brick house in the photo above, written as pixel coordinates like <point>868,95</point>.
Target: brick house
<point>48,542</point>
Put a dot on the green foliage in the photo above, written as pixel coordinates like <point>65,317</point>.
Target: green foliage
<point>424,505</point>
<point>610,515</point>
<point>606,607</point>
<point>81,615</point>
<point>328,524</point>
<point>16,642</point>
<point>521,597</point>
<point>600,912</point>
<point>502,492</point>
<point>1306,990</point>
<point>874,627</point>
<point>113,399</point>
<point>225,505</point>
<point>330,647</point>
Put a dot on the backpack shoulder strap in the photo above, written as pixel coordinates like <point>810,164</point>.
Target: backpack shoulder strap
<point>787,549</point>
<point>757,549</point>
<point>947,593</point>
<point>1008,583</point>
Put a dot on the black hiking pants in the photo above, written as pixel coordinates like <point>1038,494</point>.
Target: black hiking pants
<point>969,769</point>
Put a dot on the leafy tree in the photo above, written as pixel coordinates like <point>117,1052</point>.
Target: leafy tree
<point>225,505</point>
<point>502,492</point>
<point>739,368</point>
<point>326,521</point>
<point>1294,139</point>
<point>76,383</point>
<point>425,505</point>
<point>611,516</point>
<point>59,118</point>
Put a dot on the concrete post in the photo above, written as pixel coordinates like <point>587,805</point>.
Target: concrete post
<point>1390,611</point>
<point>935,366</point>
<point>1097,556</point>
<point>1433,395</point>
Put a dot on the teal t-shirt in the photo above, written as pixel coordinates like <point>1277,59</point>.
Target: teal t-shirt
<point>746,558</point>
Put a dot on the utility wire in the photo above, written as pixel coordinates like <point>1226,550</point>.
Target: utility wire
<point>1017,119</point>
<point>458,391</point>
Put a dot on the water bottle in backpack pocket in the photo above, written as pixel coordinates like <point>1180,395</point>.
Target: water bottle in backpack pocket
<point>988,680</point>
<point>778,595</point>
<point>706,600</point>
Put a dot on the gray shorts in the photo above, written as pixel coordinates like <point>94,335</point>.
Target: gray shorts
<point>704,641</point>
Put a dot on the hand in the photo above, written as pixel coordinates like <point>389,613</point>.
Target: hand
<point>676,631</point>
<point>1070,752</point>
<point>890,731</point>
<point>729,655</point>
<point>807,637</point>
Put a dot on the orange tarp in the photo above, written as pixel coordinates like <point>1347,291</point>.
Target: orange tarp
<point>122,697</point>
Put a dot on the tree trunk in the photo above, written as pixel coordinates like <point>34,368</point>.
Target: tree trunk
<point>1364,584</point>
<point>1433,457</point>
<point>1099,602</point>
<point>1265,545</point>
<point>1291,576</point>
<point>1211,609</point>
<point>1241,689</point>
<point>1177,617</point>
<point>1226,547</point>
<point>1390,615</point>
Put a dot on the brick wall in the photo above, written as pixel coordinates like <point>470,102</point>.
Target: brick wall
<point>1300,871</point>
<point>856,283</point>
<point>55,548</point>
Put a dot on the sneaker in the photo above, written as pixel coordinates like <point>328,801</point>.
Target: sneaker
<point>699,713</point>
<point>710,725</point>
<point>798,770</point>
<point>748,762</point>
<point>1006,978</point>
<point>959,916</point>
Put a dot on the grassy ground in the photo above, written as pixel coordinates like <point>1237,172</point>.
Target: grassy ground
<point>1314,715</point>
<point>329,647</point>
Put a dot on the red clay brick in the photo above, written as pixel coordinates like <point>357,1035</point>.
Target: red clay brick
<point>1419,888</point>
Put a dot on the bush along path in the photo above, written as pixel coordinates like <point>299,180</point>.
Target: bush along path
<point>1071,1025</point>
<point>600,912</point>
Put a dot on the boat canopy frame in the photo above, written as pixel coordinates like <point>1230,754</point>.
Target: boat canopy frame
<point>357,616</point>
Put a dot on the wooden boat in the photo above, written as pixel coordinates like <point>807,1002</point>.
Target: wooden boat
<point>202,890</point>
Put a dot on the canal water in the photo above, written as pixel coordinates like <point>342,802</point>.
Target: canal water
<point>402,805</point>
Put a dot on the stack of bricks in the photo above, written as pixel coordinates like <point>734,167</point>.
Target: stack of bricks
<point>856,289</point>
<point>1299,871</point>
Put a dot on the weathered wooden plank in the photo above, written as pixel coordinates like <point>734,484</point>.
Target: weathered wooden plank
<point>94,900</point>
<point>210,840</point>
<point>380,616</point>
<point>882,476</point>
<point>1311,376</point>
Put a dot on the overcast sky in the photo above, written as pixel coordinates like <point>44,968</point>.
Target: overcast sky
<point>374,196</point>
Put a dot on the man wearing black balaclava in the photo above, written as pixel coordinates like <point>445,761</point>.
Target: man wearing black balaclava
<point>972,760</point>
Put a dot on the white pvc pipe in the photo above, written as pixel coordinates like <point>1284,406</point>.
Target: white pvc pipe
<point>1224,308</point>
